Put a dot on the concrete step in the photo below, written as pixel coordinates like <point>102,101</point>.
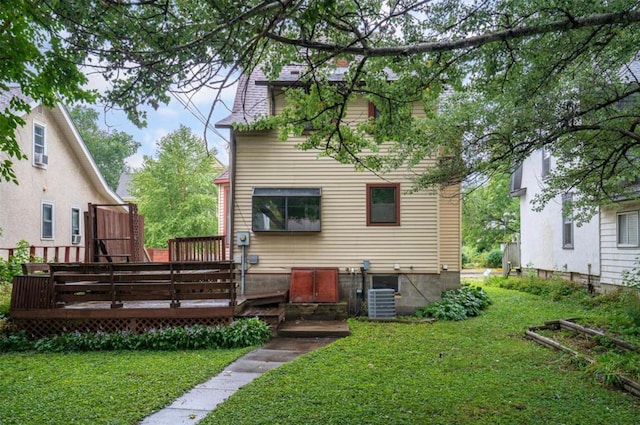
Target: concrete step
<point>271,315</point>
<point>317,311</point>
<point>314,329</point>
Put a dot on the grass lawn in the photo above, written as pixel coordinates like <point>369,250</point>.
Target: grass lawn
<point>480,371</point>
<point>99,388</point>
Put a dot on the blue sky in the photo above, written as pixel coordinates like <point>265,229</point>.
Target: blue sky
<point>168,118</point>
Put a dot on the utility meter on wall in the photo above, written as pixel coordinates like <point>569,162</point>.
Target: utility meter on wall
<point>242,239</point>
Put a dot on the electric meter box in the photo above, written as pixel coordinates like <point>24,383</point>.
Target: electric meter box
<point>242,239</point>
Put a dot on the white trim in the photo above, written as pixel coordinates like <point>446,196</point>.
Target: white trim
<point>75,208</point>
<point>637,235</point>
<point>43,154</point>
<point>53,221</point>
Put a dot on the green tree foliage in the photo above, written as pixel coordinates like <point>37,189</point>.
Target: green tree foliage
<point>175,190</point>
<point>489,215</point>
<point>497,80</point>
<point>109,149</point>
<point>35,58</point>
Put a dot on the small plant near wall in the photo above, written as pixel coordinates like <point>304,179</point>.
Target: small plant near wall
<point>457,304</point>
<point>13,267</point>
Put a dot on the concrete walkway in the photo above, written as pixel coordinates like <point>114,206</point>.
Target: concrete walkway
<point>197,403</point>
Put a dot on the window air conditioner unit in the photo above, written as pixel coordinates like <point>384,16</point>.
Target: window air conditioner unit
<point>40,159</point>
<point>75,239</point>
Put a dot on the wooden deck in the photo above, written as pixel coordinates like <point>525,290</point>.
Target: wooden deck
<point>124,296</point>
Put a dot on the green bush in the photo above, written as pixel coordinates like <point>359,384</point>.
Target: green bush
<point>555,288</point>
<point>493,259</point>
<point>13,267</point>
<point>469,256</point>
<point>5,299</point>
<point>457,304</point>
<point>239,334</point>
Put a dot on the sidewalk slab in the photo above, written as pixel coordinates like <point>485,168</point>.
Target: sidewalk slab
<point>194,405</point>
<point>175,417</point>
<point>228,380</point>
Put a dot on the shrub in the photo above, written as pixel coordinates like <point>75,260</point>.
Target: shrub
<point>494,259</point>
<point>5,299</point>
<point>555,288</point>
<point>241,333</point>
<point>469,255</point>
<point>13,267</point>
<point>457,304</point>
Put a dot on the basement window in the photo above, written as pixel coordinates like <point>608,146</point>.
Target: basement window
<point>390,281</point>
<point>286,210</point>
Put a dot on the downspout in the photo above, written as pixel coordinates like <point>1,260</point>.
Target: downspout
<point>232,201</point>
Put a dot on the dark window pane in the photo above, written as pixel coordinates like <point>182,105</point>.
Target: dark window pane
<point>75,221</point>
<point>268,213</point>
<point>286,209</point>
<point>303,214</point>
<point>383,205</point>
<point>47,221</point>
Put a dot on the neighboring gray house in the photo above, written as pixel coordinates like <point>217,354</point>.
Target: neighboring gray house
<point>124,190</point>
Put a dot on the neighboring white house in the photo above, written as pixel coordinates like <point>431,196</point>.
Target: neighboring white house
<point>56,183</point>
<point>596,252</point>
<point>291,211</point>
<point>619,241</point>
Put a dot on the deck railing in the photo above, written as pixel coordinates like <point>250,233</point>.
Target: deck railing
<point>59,254</point>
<point>118,283</point>
<point>201,248</point>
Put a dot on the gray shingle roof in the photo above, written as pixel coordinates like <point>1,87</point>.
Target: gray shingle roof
<point>252,94</point>
<point>7,95</point>
<point>250,101</point>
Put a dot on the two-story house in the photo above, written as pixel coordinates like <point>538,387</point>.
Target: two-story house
<point>56,182</point>
<point>293,214</point>
<point>597,252</point>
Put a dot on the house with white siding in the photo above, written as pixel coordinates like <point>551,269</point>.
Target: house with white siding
<point>296,217</point>
<point>56,183</point>
<point>597,252</point>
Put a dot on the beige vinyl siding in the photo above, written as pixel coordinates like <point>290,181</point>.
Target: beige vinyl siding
<point>615,260</point>
<point>450,233</point>
<point>345,239</point>
<point>358,110</point>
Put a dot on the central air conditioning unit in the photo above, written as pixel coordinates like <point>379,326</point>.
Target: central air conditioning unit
<point>40,159</point>
<point>382,304</point>
<point>75,239</point>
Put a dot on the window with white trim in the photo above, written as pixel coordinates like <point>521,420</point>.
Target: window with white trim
<point>39,145</point>
<point>567,222</point>
<point>627,229</point>
<point>75,226</point>
<point>546,162</point>
<point>46,227</point>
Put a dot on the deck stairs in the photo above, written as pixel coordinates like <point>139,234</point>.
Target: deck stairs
<point>293,320</point>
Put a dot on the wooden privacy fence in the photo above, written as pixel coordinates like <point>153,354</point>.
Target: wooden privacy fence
<point>511,259</point>
<point>114,236</point>
<point>201,248</point>
<point>124,296</point>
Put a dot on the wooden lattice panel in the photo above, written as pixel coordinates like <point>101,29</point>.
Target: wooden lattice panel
<point>38,328</point>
